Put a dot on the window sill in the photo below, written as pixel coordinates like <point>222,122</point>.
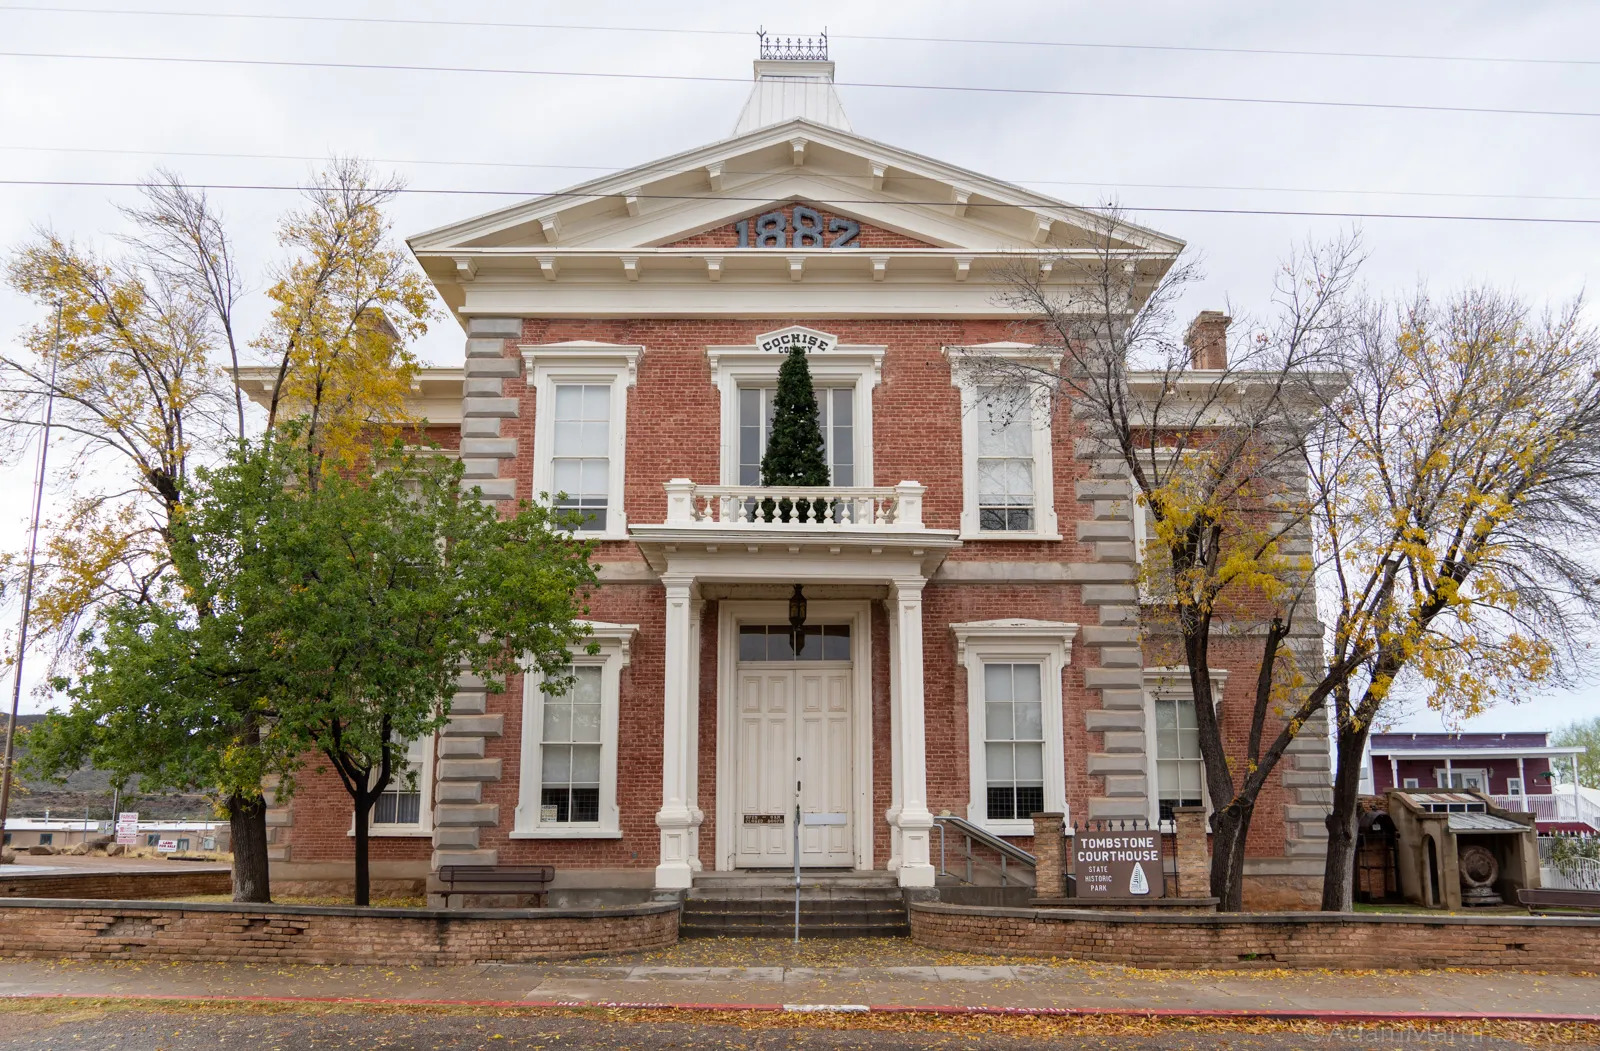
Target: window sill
<point>1007,828</point>
<point>398,832</point>
<point>1003,535</point>
<point>566,833</point>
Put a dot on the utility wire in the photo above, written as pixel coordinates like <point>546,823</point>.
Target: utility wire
<point>576,195</point>
<point>884,37</point>
<point>697,78</point>
<point>675,169</point>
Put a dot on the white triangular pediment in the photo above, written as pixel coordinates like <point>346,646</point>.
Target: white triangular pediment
<point>667,201</point>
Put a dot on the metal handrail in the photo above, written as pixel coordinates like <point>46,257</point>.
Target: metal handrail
<point>977,834</point>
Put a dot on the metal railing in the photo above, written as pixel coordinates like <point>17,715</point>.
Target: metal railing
<point>973,834</point>
<point>1561,805</point>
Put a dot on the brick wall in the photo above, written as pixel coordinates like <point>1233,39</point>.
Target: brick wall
<point>40,929</point>
<point>1264,939</point>
<point>673,429</point>
<point>120,886</point>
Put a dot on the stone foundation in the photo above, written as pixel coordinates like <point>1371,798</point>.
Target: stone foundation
<point>107,930</point>
<point>1264,939</point>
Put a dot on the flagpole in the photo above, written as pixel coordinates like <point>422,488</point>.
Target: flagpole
<point>27,586</point>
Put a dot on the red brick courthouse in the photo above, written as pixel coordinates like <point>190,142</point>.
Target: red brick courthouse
<point>972,643</point>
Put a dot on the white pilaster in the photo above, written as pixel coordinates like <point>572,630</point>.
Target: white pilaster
<point>675,819</point>
<point>892,815</point>
<point>915,821</point>
<point>691,740</point>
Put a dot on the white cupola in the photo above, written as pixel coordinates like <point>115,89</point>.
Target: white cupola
<point>794,79</point>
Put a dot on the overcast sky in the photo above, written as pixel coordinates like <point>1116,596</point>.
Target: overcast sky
<point>75,119</point>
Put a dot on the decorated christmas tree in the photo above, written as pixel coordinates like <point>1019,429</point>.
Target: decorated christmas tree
<point>795,453</point>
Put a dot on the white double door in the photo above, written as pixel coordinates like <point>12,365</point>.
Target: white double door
<point>793,745</point>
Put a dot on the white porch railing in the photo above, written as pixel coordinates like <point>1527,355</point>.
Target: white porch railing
<point>1560,805</point>
<point>896,507</point>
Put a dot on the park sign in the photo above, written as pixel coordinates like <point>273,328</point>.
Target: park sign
<point>1120,864</point>
<point>128,828</point>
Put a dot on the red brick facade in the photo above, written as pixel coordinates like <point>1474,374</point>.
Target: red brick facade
<point>673,431</point>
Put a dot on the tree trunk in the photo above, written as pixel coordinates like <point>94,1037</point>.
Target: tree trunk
<point>1230,828</point>
<point>363,889</point>
<point>247,830</point>
<point>1338,872</point>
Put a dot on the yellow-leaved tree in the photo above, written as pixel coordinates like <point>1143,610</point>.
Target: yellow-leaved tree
<point>1458,482</point>
<point>143,378</point>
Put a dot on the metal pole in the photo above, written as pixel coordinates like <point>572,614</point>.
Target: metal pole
<point>27,586</point>
<point>797,864</point>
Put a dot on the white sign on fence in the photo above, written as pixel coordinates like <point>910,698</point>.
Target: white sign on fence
<point>167,846</point>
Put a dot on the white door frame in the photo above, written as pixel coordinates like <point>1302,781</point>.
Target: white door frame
<point>856,612</point>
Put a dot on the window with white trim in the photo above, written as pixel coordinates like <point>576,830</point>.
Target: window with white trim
<point>1513,786</point>
<point>835,417</point>
<point>1013,740</point>
<point>1410,782</point>
<point>1008,474</point>
<point>404,807</point>
<point>568,774</point>
<point>580,429</point>
<point>1461,777</point>
<point>843,378</point>
<point>1180,770</point>
<point>1016,756</point>
<point>1176,771</point>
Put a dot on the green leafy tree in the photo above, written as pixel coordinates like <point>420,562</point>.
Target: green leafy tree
<point>342,614</point>
<point>795,453</point>
<point>1584,732</point>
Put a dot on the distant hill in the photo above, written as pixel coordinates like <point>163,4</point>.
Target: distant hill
<point>91,788</point>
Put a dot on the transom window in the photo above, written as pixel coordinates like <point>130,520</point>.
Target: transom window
<point>835,416</point>
<point>1180,773</point>
<point>580,460</point>
<point>1005,461</point>
<point>775,642</point>
<point>569,790</point>
<point>1013,740</point>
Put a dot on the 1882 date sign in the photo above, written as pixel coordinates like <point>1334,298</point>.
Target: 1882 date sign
<point>1118,864</point>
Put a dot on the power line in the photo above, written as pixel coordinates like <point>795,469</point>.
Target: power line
<point>675,169</point>
<point>697,78</point>
<point>885,37</point>
<point>123,184</point>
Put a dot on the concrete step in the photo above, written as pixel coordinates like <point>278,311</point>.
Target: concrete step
<point>780,930</point>
<point>819,911</point>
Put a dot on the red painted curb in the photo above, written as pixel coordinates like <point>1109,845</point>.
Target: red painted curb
<point>1220,1013</point>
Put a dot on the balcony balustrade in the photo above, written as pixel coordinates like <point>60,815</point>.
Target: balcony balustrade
<point>895,508</point>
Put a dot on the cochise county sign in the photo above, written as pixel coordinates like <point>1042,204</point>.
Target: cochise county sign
<point>1118,864</point>
<point>807,339</point>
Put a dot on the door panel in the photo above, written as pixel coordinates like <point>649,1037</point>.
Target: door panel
<point>793,725</point>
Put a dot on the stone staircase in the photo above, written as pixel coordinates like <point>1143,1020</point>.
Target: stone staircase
<point>761,905</point>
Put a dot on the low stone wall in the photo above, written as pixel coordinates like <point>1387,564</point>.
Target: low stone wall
<point>113,930</point>
<point>1286,939</point>
<point>15,882</point>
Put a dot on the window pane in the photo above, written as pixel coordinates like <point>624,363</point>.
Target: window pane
<point>557,765</point>
<point>383,810</point>
<point>1166,715</point>
<point>997,759</point>
<point>997,721</point>
<point>408,808</point>
<point>752,642</point>
<point>997,682</point>
<point>1030,800</point>
<point>1025,682</point>
<point>1001,803</point>
<point>1030,722</point>
<point>586,684</point>
<point>836,642</point>
<point>586,764</point>
<point>1030,762</point>
<point>597,402</point>
<point>569,401</point>
<point>586,722</point>
<point>567,477</point>
<point>1166,779</point>
<point>585,803</point>
<point>780,646</point>
<point>557,720</point>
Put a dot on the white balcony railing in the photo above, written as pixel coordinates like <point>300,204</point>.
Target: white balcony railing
<point>1560,805</point>
<point>896,507</point>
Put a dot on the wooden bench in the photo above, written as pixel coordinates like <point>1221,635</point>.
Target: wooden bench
<point>479,880</point>
<point>1542,900</point>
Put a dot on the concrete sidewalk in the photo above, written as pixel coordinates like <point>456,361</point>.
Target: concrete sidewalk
<point>888,973</point>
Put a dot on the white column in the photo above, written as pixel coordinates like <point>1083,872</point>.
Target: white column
<point>915,821</point>
<point>1522,778</point>
<point>1449,775</point>
<point>892,815</point>
<point>675,819</point>
<point>691,740</point>
<point>1394,772</point>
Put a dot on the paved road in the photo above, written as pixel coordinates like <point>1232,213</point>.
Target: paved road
<point>119,1030</point>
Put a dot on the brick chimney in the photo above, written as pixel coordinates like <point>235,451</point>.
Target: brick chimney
<point>1207,340</point>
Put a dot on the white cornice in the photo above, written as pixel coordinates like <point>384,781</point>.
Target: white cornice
<point>1015,629</point>
<point>581,352</point>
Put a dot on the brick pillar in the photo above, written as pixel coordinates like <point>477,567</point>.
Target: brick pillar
<point>1194,852</point>
<point>1050,875</point>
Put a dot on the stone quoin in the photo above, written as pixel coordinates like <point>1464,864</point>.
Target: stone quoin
<point>972,642</point>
